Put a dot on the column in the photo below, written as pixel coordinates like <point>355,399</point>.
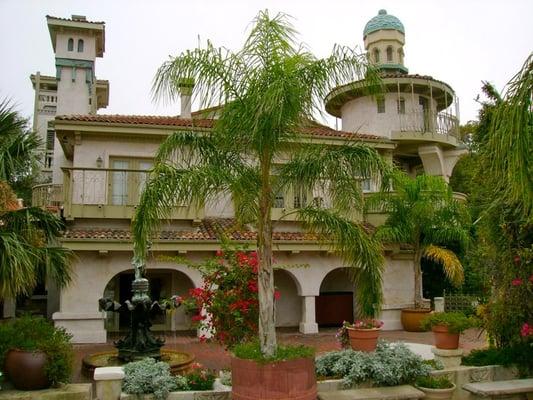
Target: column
<point>308,324</point>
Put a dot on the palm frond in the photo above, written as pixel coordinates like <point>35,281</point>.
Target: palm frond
<point>17,262</point>
<point>452,266</point>
<point>509,148</point>
<point>361,253</point>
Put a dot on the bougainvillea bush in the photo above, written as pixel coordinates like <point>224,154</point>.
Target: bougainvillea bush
<point>227,305</point>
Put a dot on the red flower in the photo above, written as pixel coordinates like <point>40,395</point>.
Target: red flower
<point>277,294</point>
<point>516,259</point>
<point>197,318</point>
<point>252,286</point>
<point>526,330</point>
<point>219,253</point>
<point>531,278</point>
<point>516,282</point>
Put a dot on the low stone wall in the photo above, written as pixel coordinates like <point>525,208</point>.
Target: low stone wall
<point>82,391</point>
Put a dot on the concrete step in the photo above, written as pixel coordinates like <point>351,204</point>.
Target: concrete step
<point>403,392</point>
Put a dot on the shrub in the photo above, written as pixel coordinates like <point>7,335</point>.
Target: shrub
<point>149,376</point>
<point>391,364</point>
<point>430,382</point>
<point>252,351</point>
<point>518,355</point>
<point>455,321</point>
<point>36,333</point>
<point>200,378</point>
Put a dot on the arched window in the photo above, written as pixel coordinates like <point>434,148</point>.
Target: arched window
<point>80,45</point>
<point>389,54</point>
<point>376,55</point>
<point>400,55</point>
<point>70,46</point>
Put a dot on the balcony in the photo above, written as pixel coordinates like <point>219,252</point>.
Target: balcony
<point>422,126</point>
<point>101,193</point>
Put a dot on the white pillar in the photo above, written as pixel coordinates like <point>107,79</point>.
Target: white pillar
<point>108,382</point>
<point>308,324</point>
<point>439,304</point>
<point>10,306</point>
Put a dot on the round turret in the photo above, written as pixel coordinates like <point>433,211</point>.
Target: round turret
<point>384,37</point>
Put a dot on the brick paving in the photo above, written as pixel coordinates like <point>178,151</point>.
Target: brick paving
<point>215,357</point>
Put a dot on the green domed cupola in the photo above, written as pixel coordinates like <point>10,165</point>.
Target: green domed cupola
<point>384,38</point>
<point>383,21</point>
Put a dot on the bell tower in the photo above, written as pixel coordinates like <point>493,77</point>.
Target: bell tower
<point>76,43</point>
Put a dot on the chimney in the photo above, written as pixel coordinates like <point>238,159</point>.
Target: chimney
<point>186,86</point>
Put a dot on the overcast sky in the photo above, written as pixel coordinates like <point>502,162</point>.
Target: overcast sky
<point>459,42</point>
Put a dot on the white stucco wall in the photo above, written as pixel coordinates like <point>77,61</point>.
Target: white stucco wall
<point>361,114</point>
<point>289,305</point>
<point>89,46</point>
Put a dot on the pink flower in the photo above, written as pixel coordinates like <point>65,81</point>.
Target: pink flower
<point>526,330</point>
<point>277,295</point>
<point>516,282</point>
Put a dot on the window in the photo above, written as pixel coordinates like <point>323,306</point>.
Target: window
<point>127,186</point>
<point>400,56</point>
<point>400,105</point>
<point>366,185</point>
<point>279,201</point>
<point>376,55</point>
<point>381,104</point>
<point>70,46</point>
<point>80,45</point>
<point>50,135</point>
<point>389,54</point>
<point>300,200</point>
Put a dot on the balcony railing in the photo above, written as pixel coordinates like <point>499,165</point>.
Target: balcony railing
<point>48,196</point>
<point>101,193</point>
<point>422,122</point>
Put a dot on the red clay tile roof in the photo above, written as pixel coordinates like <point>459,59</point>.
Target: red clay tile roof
<point>76,20</point>
<point>315,129</point>
<point>209,229</point>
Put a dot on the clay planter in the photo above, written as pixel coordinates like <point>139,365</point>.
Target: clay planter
<point>290,379</point>
<point>412,317</point>
<point>363,339</point>
<point>25,369</point>
<point>444,339</point>
<point>437,394</point>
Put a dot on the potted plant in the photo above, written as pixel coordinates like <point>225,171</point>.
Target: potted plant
<point>423,213</point>
<point>362,335</point>
<point>35,354</point>
<point>435,388</point>
<point>446,327</point>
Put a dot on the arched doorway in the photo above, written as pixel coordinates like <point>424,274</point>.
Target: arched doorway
<point>335,302</point>
<point>164,283</point>
<point>289,305</point>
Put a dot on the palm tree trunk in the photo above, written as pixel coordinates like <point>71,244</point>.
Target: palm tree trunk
<point>418,277</point>
<point>267,328</point>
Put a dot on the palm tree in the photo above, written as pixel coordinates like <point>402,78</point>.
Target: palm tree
<point>423,213</point>
<point>29,247</point>
<point>18,146</point>
<point>270,90</point>
<point>509,143</point>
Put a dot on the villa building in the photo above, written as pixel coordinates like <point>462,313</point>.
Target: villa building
<point>97,165</point>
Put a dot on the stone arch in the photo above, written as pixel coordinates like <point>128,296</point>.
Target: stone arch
<point>289,305</point>
<point>390,55</point>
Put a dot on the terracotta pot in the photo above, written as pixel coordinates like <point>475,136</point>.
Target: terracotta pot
<point>412,317</point>
<point>444,339</point>
<point>25,369</point>
<point>363,339</point>
<point>437,394</point>
<point>290,379</point>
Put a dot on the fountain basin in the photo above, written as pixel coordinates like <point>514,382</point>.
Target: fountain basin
<point>179,361</point>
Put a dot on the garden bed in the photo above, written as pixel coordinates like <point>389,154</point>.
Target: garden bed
<point>219,392</point>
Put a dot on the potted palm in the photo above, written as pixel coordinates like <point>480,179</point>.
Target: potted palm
<point>447,327</point>
<point>270,89</point>
<point>435,388</point>
<point>423,213</point>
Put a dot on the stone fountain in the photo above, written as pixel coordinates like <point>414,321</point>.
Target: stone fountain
<point>139,342</point>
